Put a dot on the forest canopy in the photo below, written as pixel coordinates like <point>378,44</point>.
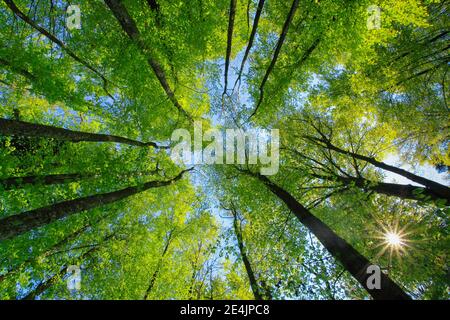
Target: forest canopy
<point>346,103</point>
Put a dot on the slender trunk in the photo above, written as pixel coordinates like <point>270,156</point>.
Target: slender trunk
<point>342,251</point>
<point>129,26</point>
<point>403,191</point>
<point>251,39</point>
<point>17,224</point>
<point>437,188</point>
<point>231,16</point>
<point>20,182</point>
<point>45,285</point>
<point>248,267</point>
<point>12,6</point>
<point>280,42</point>
<point>152,281</point>
<point>26,129</point>
<point>159,265</point>
<point>53,249</point>
<point>11,271</point>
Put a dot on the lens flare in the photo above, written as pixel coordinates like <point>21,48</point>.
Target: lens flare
<point>393,239</point>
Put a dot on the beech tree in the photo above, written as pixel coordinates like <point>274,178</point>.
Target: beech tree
<point>358,92</point>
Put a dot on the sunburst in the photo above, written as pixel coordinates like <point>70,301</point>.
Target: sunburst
<point>393,240</point>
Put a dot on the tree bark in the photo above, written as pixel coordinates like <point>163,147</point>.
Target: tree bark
<point>403,191</point>
<point>26,129</point>
<point>158,266</point>
<point>248,267</point>
<point>231,16</point>
<point>12,6</point>
<point>45,285</point>
<point>129,26</point>
<point>13,183</point>
<point>251,39</point>
<point>437,188</point>
<point>17,224</point>
<point>20,182</point>
<point>342,251</point>
<point>280,42</point>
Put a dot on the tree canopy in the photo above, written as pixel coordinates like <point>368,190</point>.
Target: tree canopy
<point>90,98</point>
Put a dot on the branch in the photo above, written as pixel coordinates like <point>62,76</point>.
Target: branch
<point>275,55</point>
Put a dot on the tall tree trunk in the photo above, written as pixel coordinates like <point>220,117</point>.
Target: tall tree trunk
<point>12,6</point>
<point>20,182</point>
<point>352,260</point>
<point>231,15</point>
<point>248,267</point>
<point>129,26</point>
<point>280,42</point>
<point>159,265</point>
<point>17,224</point>
<point>53,249</point>
<point>45,285</point>
<point>251,38</point>
<point>437,188</point>
<point>26,129</point>
<point>403,191</point>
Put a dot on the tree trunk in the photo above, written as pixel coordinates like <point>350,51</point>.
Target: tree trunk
<point>280,42</point>
<point>251,39</point>
<point>437,188</point>
<point>26,129</point>
<point>17,224</point>
<point>158,266</point>
<point>403,191</point>
<point>44,285</point>
<point>129,26</point>
<point>231,15</point>
<point>21,182</point>
<point>342,251</point>
<point>248,267</point>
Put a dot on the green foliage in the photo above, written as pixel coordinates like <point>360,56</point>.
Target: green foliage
<point>380,93</point>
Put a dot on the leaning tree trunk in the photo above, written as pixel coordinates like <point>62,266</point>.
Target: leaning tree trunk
<point>20,128</point>
<point>17,224</point>
<point>439,189</point>
<point>21,182</point>
<point>46,284</point>
<point>352,260</point>
<point>53,249</point>
<point>248,267</point>
<point>159,265</point>
<point>402,191</point>
<point>129,26</point>
<point>61,178</point>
